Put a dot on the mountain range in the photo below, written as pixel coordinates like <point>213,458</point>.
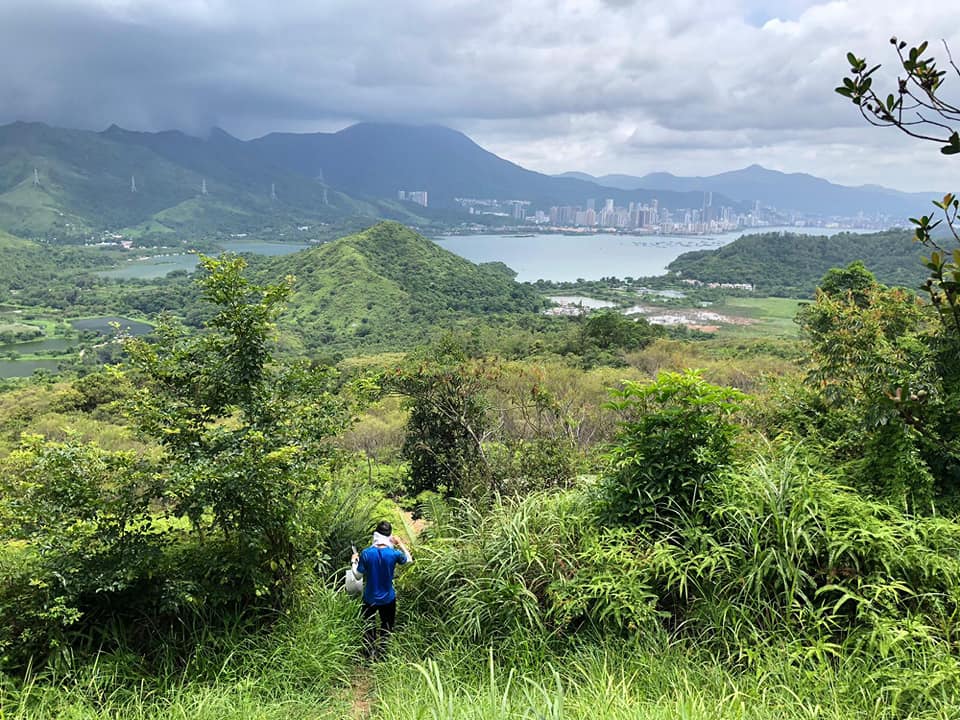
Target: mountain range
<point>57,182</point>
<point>377,159</point>
<point>794,192</point>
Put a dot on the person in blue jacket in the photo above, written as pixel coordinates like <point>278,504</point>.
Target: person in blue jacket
<point>376,564</point>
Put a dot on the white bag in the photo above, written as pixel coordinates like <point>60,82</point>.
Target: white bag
<point>352,584</point>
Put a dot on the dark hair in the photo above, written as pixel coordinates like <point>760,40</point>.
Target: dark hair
<point>384,528</point>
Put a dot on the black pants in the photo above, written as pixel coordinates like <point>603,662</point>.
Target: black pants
<point>375,638</point>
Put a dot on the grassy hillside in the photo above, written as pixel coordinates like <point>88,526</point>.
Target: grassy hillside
<point>57,183</point>
<point>781,263</point>
<point>387,287</point>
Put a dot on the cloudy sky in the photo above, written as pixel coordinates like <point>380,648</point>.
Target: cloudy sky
<point>632,86</point>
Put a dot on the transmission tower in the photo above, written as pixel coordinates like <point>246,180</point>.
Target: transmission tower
<point>203,187</point>
<point>133,184</point>
<point>36,177</point>
<point>273,191</point>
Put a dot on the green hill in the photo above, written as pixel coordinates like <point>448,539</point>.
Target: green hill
<point>30,264</point>
<point>388,287</point>
<point>58,183</point>
<point>787,264</point>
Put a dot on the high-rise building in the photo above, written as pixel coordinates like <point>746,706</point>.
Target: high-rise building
<point>608,205</point>
<point>420,197</point>
<point>415,196</point>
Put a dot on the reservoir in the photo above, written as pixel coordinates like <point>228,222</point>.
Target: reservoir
<point>160,265</point>
<point>565,258</point>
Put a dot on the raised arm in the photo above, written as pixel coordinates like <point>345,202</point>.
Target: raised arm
<point>398,544</point>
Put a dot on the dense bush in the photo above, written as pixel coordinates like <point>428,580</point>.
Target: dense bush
<point>530,565</point>
<point>77,536</point>
<point>784,550</point>
<point>675,436</point>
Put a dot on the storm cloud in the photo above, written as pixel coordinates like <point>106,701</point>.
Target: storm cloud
<point>592,85</point>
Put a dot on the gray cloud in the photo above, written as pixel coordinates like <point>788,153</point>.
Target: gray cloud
<point>596,85</point>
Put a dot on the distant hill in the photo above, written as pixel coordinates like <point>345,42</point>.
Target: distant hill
<point>786,264</point>
<point>378,159</point>
<point>791,192</point>
<point>84,181</point>
<point>25,264</point>
<point>388,287</point>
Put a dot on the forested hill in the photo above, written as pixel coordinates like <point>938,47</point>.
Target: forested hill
<point>28,264</point>
<point>389,287</point>
<point>783,263</point>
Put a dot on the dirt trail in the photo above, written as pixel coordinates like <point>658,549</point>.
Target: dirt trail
<point>361,688</point>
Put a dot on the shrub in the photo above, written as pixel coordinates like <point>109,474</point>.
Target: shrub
<point>786,550</point>
<point>675,435</point>
<point>532,565</point>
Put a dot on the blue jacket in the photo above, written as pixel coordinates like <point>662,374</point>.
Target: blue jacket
<point>377,565</point>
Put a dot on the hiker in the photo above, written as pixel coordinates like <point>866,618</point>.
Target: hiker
<point>376,564</point>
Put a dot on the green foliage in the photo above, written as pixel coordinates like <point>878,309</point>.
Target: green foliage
<point>85,186</point>
<point>530,565</point>
<point>675,435</point>
<point>612,330</point>
<point>518,467</point>
<point>296,668</point>
<point>943,282</point>
<point>784,549</point>
<point>390,288</point>
<point>78,535</point>
<point>793,265</point>
<point>448,421</point>
<point>239,498</point>
<point>246,440</point>
<point>873,360</point>
<point>918,107</point>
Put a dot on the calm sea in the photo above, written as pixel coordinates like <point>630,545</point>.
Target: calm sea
<point>591,257</point>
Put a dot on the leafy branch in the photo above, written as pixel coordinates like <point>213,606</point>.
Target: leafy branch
<point>917,106</point>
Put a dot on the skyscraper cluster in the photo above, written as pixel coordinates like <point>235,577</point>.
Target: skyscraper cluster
<point>631,217</point>
<point>415,196</point>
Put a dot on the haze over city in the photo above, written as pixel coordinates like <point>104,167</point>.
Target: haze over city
<point>599,86</point>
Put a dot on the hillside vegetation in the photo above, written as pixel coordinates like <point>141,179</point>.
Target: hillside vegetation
<point>637,541</point>
<point>388,287</point>
<point>792,265</point>
<point>86,185</point>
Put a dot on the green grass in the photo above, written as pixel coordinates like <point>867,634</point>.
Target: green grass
<point>308,668</point>
<point>773,315</point>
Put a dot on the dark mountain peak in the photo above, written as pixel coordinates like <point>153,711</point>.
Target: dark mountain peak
<point>390,133</point>
<point>115,132</point>
<point>219,135</point>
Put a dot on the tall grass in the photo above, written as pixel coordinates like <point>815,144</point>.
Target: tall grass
<point>300,668</point>
<point>782,596</point>
<point>640,680</point>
